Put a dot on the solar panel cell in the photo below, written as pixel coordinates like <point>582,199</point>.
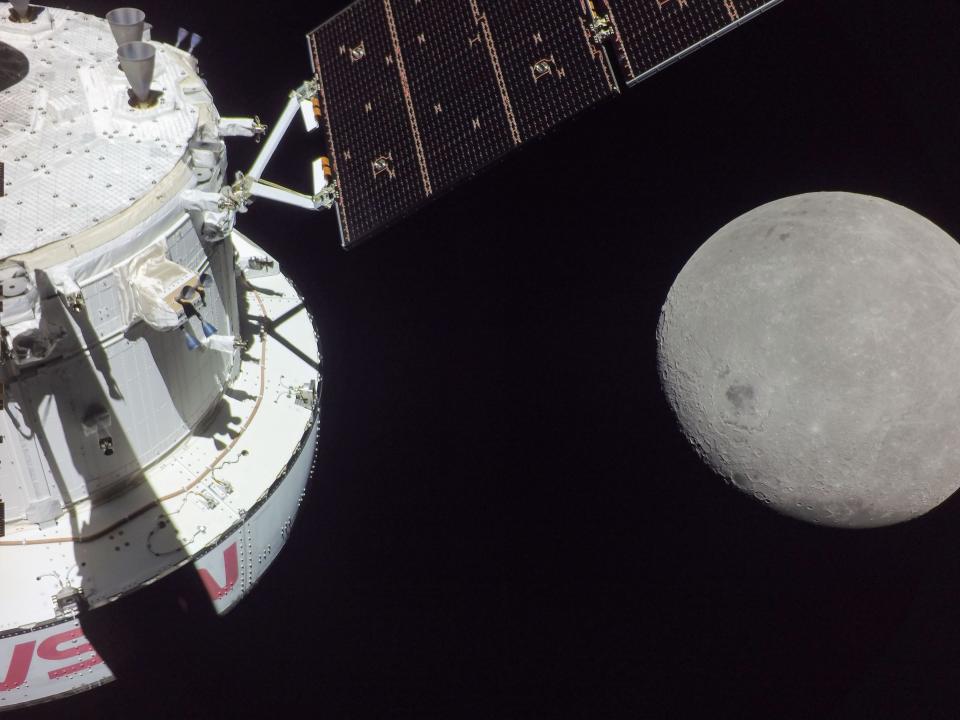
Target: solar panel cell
<point>453,88</point>
<point>551,68</point>
<point>652,33</point>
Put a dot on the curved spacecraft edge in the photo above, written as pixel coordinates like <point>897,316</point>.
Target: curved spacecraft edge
<point>151,419</point>
<point>159,375</point>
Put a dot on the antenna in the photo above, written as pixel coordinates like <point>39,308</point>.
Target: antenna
<point>22,9</point>
<point>137,62</point>
<point>126,24</point>
<point>191,340</point>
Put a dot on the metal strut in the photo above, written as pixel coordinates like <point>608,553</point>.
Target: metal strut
<point>251,185</point>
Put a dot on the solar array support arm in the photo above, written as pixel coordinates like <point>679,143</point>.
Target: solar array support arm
<point>324,189</point>
<point>274,137</point>
<point>271,191</point>
<point>241,127</point>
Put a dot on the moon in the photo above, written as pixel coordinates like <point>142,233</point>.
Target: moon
<point>810,350</point>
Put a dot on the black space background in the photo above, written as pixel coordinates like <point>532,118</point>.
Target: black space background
<point>505,521</point>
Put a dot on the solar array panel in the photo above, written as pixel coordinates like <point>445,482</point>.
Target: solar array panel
<point>454,90</point>
<point>650,34</point>
<point>373,150</point>
<point>418,95</point>
<point>552,68</point>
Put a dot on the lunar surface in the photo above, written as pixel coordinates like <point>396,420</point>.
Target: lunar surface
<point>811,352</point>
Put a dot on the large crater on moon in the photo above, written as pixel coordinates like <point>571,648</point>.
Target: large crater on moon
<point>810,352</point>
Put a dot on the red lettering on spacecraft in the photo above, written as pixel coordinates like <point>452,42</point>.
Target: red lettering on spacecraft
<point>231,566</point>
<point>19,666</point>
<point>51,649</point>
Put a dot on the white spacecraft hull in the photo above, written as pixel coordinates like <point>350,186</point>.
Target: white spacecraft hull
<point>52,658</point>
<point>56,660</point>
<point>159,375</point>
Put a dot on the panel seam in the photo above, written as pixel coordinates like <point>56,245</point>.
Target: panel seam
<point>481,20</point>
<point>408,99</point>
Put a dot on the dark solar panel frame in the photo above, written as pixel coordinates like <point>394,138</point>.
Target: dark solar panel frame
<point>373,150</point>
<point>651,34</point>
<point>551,67</point>
<point>439,90</point>
<point>418,95</point>
<point>454,90</point>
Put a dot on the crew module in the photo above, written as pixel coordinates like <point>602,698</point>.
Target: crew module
<point>159,375</point>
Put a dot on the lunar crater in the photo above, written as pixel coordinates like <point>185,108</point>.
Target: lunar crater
<point>741,396</point>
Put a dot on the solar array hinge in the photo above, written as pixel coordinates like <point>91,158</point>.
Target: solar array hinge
<point>601,28</point>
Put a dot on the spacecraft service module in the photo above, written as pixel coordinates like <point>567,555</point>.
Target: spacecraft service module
<point>159,374</point>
